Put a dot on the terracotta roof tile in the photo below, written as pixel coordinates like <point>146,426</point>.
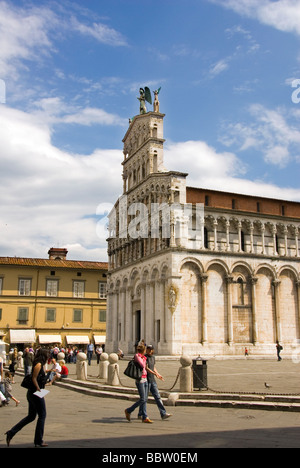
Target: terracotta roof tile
<point>46,263</point>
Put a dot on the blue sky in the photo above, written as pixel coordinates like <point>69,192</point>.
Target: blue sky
<point>72,71</point>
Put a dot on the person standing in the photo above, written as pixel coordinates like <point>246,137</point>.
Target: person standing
<point>98,352</point>
<point>28,360</point>
<point>279,348</point>
<point>90,350</point>
<point>152,385</point>
<point>36,405</point>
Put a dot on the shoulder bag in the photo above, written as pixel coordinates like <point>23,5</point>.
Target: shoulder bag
<point>133,370</point>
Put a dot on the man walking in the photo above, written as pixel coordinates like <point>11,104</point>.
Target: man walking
<point>152,385</point>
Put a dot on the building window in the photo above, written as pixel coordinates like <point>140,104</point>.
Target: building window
<point>102,290</point>
<point>1,285</point>
<point>233,204</point>
<point>102,316</point>
<point>23,315</point>
<point>50,315</point>
<point>258,207</point>
<point>207,200</point>
<point>52,288</point>
<point>0,314</point>
<point>206,246</point>
<point>77,315</point>
<point>78,289</point>
<point>241,292</point>
<point>243,243</point>
<point>24,287</point>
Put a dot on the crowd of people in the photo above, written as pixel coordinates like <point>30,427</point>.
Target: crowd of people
<point>54,369</point>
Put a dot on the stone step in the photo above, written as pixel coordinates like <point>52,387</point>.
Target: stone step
<point>237,401</point>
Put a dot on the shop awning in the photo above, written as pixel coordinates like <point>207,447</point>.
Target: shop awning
<point>22,336</point>
<point>100,339</point>
<point>77,339</point>
<point>49,339</point>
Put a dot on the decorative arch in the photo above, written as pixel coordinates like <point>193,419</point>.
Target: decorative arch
<point>219,263</point>
<point>265,266</point>
<point>242,264</point>
<point>194,261</point>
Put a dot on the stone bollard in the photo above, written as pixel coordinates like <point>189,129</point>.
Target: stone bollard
<point>60,357</point>
<point>186,375</point>
<point>103,366</point>
<point>81,366</point>
<point>113,370</point>
<point>173,397</point>
<point>20,360</point>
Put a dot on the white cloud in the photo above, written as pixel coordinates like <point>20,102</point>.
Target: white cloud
<point>55,111</point>
<point>219,171</point>
<point>269,132</point>
<point>100,32</point>
<point>29,33</point>
<point>48,196</point>
<point>23,36</point>
<point>219,67</point>
<point>283,15</point>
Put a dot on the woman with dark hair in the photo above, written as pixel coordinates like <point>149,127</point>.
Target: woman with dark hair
<point>36,405</point>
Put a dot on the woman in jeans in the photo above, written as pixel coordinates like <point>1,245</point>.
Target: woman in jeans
<point>142,386</point>
<point>36,405</point>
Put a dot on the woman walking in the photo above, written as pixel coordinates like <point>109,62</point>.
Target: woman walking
<point>142,386</point>
<point>36,405</point>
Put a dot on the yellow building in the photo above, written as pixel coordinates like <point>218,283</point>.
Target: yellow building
<point>52,301</point>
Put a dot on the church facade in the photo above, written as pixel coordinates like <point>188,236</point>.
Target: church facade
<point>197,271</point>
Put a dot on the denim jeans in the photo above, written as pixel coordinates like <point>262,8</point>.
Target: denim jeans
<point>142,403</point>
<point>152,387</point>
<point>36,406</point>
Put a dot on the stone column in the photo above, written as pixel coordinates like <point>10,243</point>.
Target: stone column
<point>297,241</point>
<point>274,232</point>
<point>203,280</point>
<point>251,238</point>
<point>263,230</point>
<point>215,235</point>
<point>240,236</point>
<point>254,282</point>
<point>229,280</point>
<point>276,284</point>
<point>298,292</point>
<point>228,236</point>
<point>286,250</point>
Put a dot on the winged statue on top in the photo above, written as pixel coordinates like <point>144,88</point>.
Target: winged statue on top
<point>145,96</point>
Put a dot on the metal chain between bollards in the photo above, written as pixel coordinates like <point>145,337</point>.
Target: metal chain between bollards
<point>162,389</point>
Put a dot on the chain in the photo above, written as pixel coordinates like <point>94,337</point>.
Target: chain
<point>162,389</point>
<point>240,393</point>
<point>203,385</point>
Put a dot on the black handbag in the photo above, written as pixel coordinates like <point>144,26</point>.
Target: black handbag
<point>133,370</point>
<point>28,384</point>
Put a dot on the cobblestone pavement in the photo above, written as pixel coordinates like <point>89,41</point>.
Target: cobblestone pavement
<point>79,421</point>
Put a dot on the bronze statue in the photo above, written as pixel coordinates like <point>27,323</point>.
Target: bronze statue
<point>145,95</point>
